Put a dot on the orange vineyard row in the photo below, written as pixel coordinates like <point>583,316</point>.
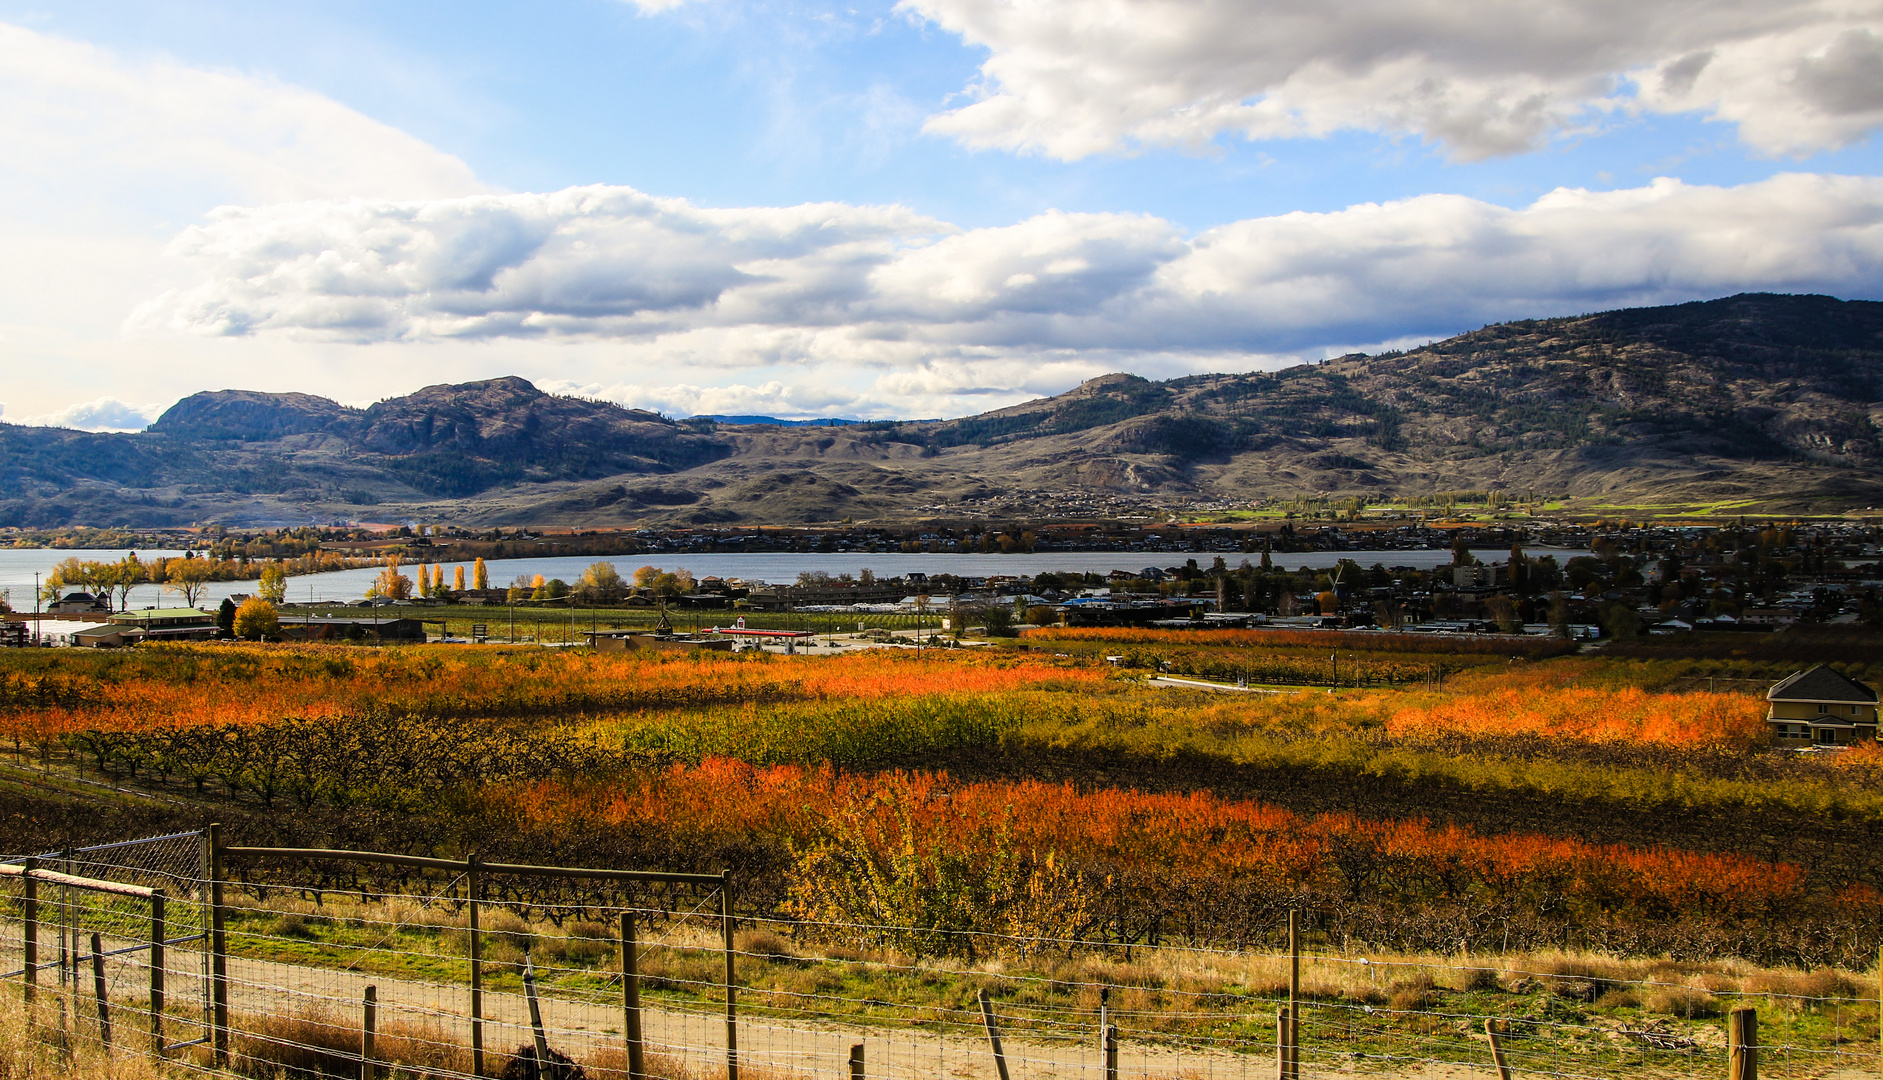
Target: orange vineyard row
<point>903,848</point>
<point>181,686</point>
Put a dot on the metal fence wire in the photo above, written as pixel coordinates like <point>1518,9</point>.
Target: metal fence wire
<point>449,969</point>
<point>94,945</point>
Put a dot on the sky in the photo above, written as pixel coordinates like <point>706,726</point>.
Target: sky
<point>910,209</point>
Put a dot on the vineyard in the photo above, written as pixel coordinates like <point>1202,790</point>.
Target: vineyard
<point>1294,657</point>
<point>1524,801</point>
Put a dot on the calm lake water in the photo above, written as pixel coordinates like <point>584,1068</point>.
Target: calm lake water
<point>17,567</point>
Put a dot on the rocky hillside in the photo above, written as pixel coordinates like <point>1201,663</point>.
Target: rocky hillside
<point>1770,402</point>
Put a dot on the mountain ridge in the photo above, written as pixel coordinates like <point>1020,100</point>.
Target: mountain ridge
<point>1763,399</point>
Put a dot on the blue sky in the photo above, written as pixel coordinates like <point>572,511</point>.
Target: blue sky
<point>1014,197</point>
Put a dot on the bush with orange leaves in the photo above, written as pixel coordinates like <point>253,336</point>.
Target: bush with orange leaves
<point>1726,721</point>
<point>1579,700</point>
<point>917,862</point>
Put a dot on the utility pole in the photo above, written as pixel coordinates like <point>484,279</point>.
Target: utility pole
<point>35,607</point>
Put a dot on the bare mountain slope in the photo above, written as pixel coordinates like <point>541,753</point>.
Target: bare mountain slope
<point>1774,399</point>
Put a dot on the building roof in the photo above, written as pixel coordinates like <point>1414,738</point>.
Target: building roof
<point>365,622</point>
<point>163,613</point>
<point>1820,683</point>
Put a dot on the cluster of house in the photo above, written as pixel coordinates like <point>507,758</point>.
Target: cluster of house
<point>82,620</point>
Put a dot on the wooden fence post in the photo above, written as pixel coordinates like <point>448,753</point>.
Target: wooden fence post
<point>99,991</point>
<point>1294,995</point>
<point>1742,1045</point>
<point>1492,1029</point>
<point>732,1002</point>
<point>538,1038</point>
<point>631,998</point>
<point>473,889</point>
<point>158,931</point>
<point>30,906</point>
<point>993,1033</point>
<point>218,951</point>
<point>856,1062</point>
<point>1281,1043</point>
<point>1111,1052</point>
<point>369,1029</point>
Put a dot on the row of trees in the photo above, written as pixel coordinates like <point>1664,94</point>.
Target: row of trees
<point>187,576</point>
<point>394,585</point>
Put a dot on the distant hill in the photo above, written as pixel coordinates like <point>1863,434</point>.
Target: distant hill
<point>1764,401</point>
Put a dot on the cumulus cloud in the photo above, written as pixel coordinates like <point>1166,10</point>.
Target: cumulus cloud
<point>101,414</point>
<point>593,260</point>
<point>1072,78</point>
<point>682,287</point>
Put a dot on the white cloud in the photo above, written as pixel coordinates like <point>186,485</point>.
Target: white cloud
<point>1072,78</point>
<point>590,260</point>
<point>85,128</point>
<point>102,414</point>
<point>682,287</point>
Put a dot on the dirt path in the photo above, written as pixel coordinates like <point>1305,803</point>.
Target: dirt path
<point>773,1049</point>
<point>699,1036</point>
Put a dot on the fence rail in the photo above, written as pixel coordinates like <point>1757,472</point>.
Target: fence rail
<point>442,981</point>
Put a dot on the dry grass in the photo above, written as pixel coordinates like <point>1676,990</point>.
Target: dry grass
<point>315,1043</point>
<point>1790,988</point>
<point>38,1052</point>
<point>611,1063</point>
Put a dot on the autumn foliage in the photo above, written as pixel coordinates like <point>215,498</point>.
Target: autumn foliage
<point>182,686</point>
<point>1542,705</point>
<point>817,779</point>
<point>900,849</point>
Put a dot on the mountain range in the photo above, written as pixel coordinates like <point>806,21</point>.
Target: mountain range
<point>1757,402</point>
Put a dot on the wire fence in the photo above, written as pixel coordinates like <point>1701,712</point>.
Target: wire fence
<point>114,925</point>
<point>653,978</point>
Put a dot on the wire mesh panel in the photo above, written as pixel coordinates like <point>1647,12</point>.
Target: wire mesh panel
<point>95,947</point>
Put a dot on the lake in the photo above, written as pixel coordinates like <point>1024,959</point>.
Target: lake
<point>18,565</point>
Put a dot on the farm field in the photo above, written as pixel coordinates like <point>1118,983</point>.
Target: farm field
<point>961,807</point>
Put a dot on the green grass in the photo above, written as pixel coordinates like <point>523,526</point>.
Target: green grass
<point>1573,1011</point>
